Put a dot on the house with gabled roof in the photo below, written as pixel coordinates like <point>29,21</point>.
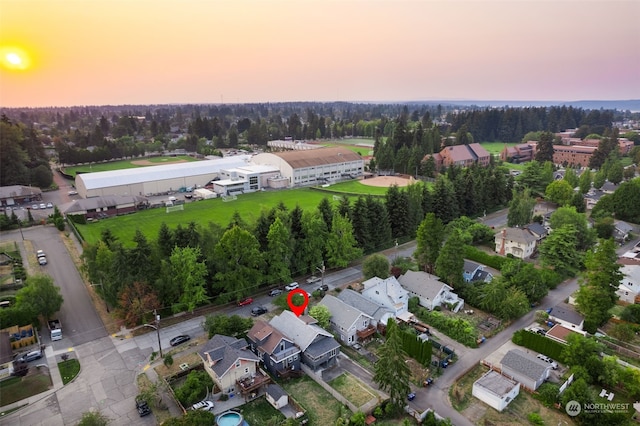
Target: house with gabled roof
<point>474,272</point>
<point>564,314</point>
<point>537,230</point>
<point>319,348</point>
<point>388,293</point>
<point>519,242</point>
<point>231,365</point>
<point>379,313</point>
<point>629,288</point>
<point>429,290</point>
<point>278,354</point>
<point>525,368</point>
<point>349,323</point>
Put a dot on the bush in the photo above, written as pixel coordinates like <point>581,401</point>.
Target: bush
<point>168,360</point>
<point>194,388</point>
<point>480,256</point>
<point>538,343</point>
<point>456,328</point>
<point>535,419</point>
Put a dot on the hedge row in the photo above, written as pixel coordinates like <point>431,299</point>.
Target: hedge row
<point>458,329</point>
<point>416,348</point>
<point>480,256</point>
<point>538,343</point>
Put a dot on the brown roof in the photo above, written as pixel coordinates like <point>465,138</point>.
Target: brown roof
<point>478,150</point>
<point>317,157</point>
<point>575,148</point>
<point>262,330</point>
<point>560,332</point>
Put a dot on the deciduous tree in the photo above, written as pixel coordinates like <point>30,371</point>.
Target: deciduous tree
<point>429,239</point>
<point>136,303</point>
<point>188,272</point>
<point>322,314</point>
<point>376,265</point>
<point>341,246</point>
<point>40,296</point>
<point>450,262</point>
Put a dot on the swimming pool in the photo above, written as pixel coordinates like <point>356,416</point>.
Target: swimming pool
<point>229,418</point>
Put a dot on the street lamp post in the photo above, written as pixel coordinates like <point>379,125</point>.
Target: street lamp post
<point>157,317</point>
<point>321,270</point>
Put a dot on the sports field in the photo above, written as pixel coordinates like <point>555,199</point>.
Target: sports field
<point>202,212</point>
<point>494,148</point>
<point>127,164</point>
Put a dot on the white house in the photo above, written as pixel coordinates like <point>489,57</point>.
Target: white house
<point>524,368</point>
<point>629,288</point>
<point>276,396</point>
<point>429,291</point>
<point>516,241</point>
<point>565,315</point>
<point>495,390</point>
<point>379,313</point>
<point>388,293</point>
<point>349,323</point>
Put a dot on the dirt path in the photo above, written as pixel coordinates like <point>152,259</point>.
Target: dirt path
<point>386,181</point>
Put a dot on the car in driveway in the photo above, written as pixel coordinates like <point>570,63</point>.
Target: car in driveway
<point>30,356</point>
<point>72,192</point>
<point>179,340</point>
<point>142,407</point>
<point>42,260</point>
<point>292,286</point>
<point>203,405</point>
<point>275,292</point>
<point>245,302</point>
<point>49,205</point>
<point>546,359</point>
<point>258,310</point>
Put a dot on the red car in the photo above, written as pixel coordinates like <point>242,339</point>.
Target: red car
<point>245,302</point>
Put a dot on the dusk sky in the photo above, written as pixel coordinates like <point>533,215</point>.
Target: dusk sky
<point>97,52</point>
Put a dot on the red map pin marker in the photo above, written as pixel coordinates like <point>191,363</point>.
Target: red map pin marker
<point>298,310</point>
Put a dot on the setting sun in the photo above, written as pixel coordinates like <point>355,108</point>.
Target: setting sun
<point>14,58</point>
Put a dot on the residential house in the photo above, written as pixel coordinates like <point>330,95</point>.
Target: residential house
<point>388,293</point>
<point>378,313</point>
<point>621,230</point>
<point>629,288</point>
<point>561,333</point>
<point>429,290</point>
<point>276,396</point>
<point>319,348</point>
<point>13,195</point>
<point>495,390</point>
<point>565,315</point>
<point>231,365</point>
<point>525,368</point>
<point>538,231</point>
<point>474,272</point>
<point>349,323</point>
<point>519,242</point>
<point>608,187</point>
<point>278,354</point>
<point>6,355</point>
<point>592,197</point>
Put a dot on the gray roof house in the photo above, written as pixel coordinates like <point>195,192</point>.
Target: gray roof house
<point>231,365</point>
<point>474,272</point>
<point>525,368</point>
<point>538,231</point>
<point>388,293</point>
<point>564,314</point>
<point>495,390</point>
<point>379,313</point>
<point>429,290</point>
<point>18,194</point>
<point>350,323</point>
<point>319,348</point>
<point>276,396</point>
<point>278,353</point>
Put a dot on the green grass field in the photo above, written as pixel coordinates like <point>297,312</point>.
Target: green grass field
<point>357,149</point>
<point>355,187</point>
<point>494,148</point>
<point>124,164</point>
<point>203,212</point>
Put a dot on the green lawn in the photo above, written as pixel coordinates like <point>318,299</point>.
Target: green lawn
<point>495,147</point>
<point>17,388</point>
<point>353,389</point>
<point>260,412</point>
<point>124,164</point>
<point>69,369</point>
<point>357,149</point>
<point>355,187</point>
<point>203,212</point>
<point>322,408</point>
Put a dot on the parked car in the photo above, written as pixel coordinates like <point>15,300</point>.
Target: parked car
<point>72,192</point>
<point>411,396</point>
<point>142,407</point>
<point>43,206</point>
<point>40,254</point>
<point>427,382</point>
<point>258,310</point>
<point>203,405</point>
<point>30,356</point>
<point>245,302</point>
<point>179,340</point>
<point>292,286</point>
<point>323,287</point>
<point>49,205</point>
<point>42,260</point>
<point>34,207</point>
<point>540,331</point>
<point>313,279</point>
<point>275,292</point>
<point>545,358</point>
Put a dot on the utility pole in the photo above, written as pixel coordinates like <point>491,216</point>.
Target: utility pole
<point>158,330</point>
<point>321,270</point>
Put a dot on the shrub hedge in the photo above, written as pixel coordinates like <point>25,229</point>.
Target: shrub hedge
<point>480,256</point>
<point>538,343</point>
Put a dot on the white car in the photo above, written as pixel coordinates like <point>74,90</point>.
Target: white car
<point>43,206</point>
<point>49,205</point>
<point>292,286</point>
<point>34,207</point>
<point>72,192</point>
<point>203,405</point>
<point>545,358</point>
<point>40,254</point>
<point>42,260</point>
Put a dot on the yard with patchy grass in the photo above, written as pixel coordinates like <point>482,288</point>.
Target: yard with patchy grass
<point>353,389</point>
<point>160,411</point>
<point>192,360</point>
<point>322,408</point>
<point>260,412</point>
<point>17,388</point>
